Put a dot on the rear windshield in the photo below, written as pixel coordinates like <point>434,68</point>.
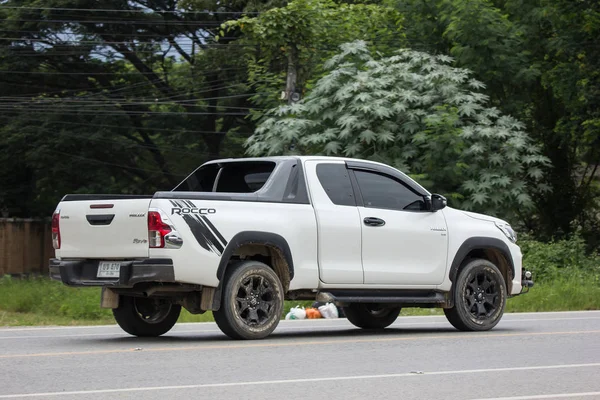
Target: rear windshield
<point>234,177</point>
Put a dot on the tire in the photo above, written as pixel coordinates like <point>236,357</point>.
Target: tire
<point>251,303</point>
<point>371,316</point>
<point>479,297</point>
<point>146,317</point>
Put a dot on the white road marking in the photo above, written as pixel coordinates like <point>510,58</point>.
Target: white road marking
<point>546,396</point>
<point>302,380</point>
<point>343,323</point>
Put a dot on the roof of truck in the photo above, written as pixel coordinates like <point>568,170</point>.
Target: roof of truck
<point>291,157</point>
<point>383,166</point>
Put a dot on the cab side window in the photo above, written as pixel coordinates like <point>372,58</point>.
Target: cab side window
<point>379,191</point>
<point>335,179</point>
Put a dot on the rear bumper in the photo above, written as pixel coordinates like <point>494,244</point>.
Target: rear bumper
<point>83,272</point>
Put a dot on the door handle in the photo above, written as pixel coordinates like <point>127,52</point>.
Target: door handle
<point>100,219</point>
<point>372,221</point>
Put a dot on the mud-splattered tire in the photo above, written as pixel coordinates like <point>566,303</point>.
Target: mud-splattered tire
<point>371,316</point>
<point>251,303</point>
<point>146,317</point>
<point>479,297</point>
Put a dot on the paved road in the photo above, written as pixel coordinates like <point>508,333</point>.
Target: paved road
<point>527,356</point>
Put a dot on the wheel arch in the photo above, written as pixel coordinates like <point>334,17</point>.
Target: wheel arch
<point>491,249</point>
<point>257,245</point>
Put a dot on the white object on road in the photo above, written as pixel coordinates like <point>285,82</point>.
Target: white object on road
<point>329,310</point>
<point>296,313</point>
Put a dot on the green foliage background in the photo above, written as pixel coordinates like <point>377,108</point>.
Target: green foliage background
<point>128,96</point>
<point>413,111</point>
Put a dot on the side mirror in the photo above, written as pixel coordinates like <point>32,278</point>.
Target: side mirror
<point>438,202</point>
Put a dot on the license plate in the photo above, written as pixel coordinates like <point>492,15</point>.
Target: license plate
<point>108,269</point>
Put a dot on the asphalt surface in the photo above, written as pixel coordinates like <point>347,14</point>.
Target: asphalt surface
<point>527,356</point>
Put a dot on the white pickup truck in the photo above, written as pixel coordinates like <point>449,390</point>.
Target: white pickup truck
<point>239,236</point>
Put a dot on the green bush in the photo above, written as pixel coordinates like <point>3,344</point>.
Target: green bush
<point>560,260</point>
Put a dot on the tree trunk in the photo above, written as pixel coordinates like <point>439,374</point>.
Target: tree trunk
<point>292,73</point>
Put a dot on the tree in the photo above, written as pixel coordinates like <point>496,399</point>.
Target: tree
<point>126,96</point>
<point>292,42</point>
<point>539,60</point>
<point>414,111</point>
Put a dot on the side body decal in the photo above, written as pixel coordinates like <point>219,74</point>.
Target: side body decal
<point>205,232</point>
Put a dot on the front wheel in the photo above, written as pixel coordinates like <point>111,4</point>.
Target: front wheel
<point>479,297</point>
<point>252,301</point>
<point>371,316</point>
<point>142,316</point>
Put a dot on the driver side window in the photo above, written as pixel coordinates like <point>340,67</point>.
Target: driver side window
<point>379,191</point>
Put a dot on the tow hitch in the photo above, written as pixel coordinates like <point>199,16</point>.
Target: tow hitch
<point>526,282</point>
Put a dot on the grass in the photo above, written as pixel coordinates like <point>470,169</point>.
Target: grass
<point>39,301</point>
<point>559,295</point>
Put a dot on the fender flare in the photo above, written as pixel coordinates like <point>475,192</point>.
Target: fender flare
<point>479,243</point>
<point>257,238</point>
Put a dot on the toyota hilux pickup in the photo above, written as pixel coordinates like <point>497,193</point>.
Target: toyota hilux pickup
<point>238,237</point>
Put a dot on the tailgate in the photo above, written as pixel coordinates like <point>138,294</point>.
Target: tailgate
<point>106,228</point>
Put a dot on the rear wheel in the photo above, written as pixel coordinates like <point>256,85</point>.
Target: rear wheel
<point>252,301</point>
<point>141,316</point>
<point>479,297</point>
<point>371,316</point>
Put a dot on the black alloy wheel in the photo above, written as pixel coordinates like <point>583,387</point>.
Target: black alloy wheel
<point>252,301</point>
<point>371,316</point>
<point>150,317</point>
<point>479,297</point>
<point>152,311</point>
<point>482,295</point>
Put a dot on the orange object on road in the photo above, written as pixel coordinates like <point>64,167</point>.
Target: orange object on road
<point>313,313</point>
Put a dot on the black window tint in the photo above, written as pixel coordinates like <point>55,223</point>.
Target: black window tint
<point>256,180</point>
<point>244,177</point>
<point>234,177</point>
<point>335,180</point>
<point>202,180</point>
<point>379,191</point>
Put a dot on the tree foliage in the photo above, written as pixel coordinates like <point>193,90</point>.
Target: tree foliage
<point>417,112</point>
<point>125,97</point>
<point>540,61</point>
<point>308,32</point>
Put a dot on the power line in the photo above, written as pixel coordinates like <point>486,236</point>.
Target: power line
<point>62,91</point>
<point>130,101</point>
<point>121,126</point>
<point>127,22</point>
<point>156,22</point>
<point>123,143</point>
<point>145,11</point>
<point>66,106</point>
<point>113,164</point>
<point>76,73</point>
<point>113,113</point>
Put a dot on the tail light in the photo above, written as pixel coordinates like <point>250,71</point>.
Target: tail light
<point>56,229</point>
<point>157,230</point>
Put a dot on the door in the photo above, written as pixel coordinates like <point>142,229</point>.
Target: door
<point>338,222</point>
<point>402,242</point>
